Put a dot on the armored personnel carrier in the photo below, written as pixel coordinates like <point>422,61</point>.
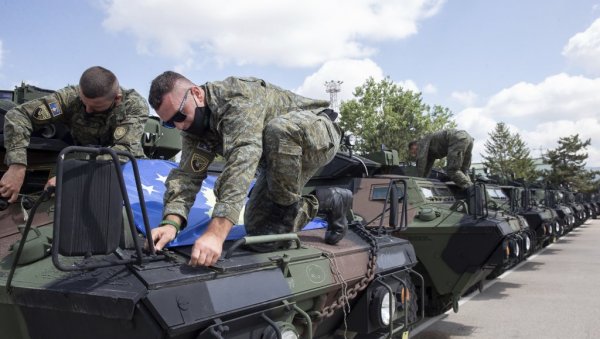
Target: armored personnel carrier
<point>554,200</point>
<point>504,205</point>
<point>591,199</point>
<point>568,198</point>
<point>458,242</point>
<point>542,220</point>
<point>589,207</point>
<point>82,270</point>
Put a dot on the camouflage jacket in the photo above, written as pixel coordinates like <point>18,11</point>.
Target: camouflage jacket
<point>240,110</point>
<point>121,129</point>
<point>431,147</point>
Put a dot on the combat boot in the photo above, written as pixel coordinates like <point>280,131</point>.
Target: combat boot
<point>281,220</point>
<point>334,203</point>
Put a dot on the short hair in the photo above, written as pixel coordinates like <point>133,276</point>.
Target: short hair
<point>412,143</point>
<point>163,84</point>
<point>98,82</point>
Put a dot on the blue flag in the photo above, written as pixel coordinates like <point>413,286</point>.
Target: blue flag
<point>153,174</point>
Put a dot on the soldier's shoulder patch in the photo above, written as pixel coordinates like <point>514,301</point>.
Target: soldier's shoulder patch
<point>120,132</point>
<point>199,162</point>
<point>55,109</point>
<point>41,113</point>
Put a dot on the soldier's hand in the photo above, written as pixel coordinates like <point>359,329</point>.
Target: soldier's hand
<point>207,250</point>
<point>162,235</point>
<point>11,182</point>
<point>51,182</point>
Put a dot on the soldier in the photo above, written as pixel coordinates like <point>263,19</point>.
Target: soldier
<point>253,125</point>
<point>457,145</point>
<point>98,112</point>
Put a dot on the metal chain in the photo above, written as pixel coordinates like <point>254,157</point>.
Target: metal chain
<point>338,274</point>
<point>352,292</point>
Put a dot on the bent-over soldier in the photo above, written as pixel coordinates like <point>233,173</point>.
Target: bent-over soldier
<point>98,112</point>
<point>255,126</point>
<point>456,145</point>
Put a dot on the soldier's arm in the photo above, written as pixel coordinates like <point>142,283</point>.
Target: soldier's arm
<point>19,123</point>
<point>22,120</point>
<point>421,164</point>
<point>184,182</point>
<point>304,103</point>
<point>427,168</point>
<point>242,128</point>
<point>17,132</point>
<point>127,135</point>
<point>424,164</point>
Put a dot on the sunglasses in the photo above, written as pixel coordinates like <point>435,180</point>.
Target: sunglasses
<point>178,116</point>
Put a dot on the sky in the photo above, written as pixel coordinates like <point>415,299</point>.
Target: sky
<point>532,64</point>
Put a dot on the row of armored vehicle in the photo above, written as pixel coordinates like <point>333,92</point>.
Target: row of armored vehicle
<point>415,246</point>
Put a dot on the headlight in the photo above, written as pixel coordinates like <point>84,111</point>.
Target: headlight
<point>383,301</point>
<point>288,331</point>
<point>387,303</point>
<point>289,334</point>
<point>350,139</point>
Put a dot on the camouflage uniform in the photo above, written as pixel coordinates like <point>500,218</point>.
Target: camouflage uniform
<point>457,145</point>
<point>121,129</point>
<point>255,125</point>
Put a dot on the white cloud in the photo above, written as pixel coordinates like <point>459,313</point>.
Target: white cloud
<point>556,97</point>
<point>352,73</point>
<point>184,66</point>
<point>559,106</point>
<point>430,89</point>
<point>583,49</point>
<point>408,85</point>
<point>284,32</point>
<point>466,98</point>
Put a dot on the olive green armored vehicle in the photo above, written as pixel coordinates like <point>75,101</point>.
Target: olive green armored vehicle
<point>503,206</point>
<point>543,221</point>
<point>589,207</point>
<point>83,269</point>
<point>554,200</point>
<point>458,242</point>
<point>579,209</point>
<point>594,198</point>
<point>568,198</point>
<point>594,206</point>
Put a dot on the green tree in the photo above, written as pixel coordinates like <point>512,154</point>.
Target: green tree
<point>567,163</point>
<point>507,155</point>
<point>385,113</point>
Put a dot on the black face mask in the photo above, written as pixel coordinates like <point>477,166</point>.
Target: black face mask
<point>201,121</point>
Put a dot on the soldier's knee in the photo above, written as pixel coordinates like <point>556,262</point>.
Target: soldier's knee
<point>277,127</point>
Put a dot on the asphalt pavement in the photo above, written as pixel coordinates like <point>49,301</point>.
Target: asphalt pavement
<point>553,294</point>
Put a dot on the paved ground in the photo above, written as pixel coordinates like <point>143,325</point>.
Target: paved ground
<point>554,294</point>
